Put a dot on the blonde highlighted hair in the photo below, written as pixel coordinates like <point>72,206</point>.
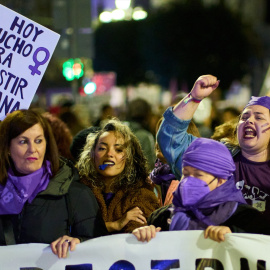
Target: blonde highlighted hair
<point>136,168</point>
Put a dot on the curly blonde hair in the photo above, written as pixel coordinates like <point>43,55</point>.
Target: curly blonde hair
<point>136,169</point>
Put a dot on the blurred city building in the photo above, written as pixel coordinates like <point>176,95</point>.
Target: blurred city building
<point>77,20</point>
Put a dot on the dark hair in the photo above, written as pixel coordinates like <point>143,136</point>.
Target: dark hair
<point>79,140</point>
<point>234,111</point>
<point>105,107</point>
<point>62,134</point>
<point>15,124</point>
<point>138,110</point>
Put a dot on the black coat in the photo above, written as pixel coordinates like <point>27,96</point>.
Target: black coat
<point>66,207</point>
<point>245,219</point>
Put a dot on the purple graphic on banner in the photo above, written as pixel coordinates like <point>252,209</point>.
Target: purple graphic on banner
<point>39,63</point>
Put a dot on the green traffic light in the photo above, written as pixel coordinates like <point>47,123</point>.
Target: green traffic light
<point>68,70</point>
<point>73,69</point>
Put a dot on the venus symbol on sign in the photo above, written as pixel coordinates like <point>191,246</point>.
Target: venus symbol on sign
<point>39,63</point>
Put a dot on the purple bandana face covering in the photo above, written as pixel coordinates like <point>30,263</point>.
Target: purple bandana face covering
<point>192,190</point>
<point>192,195</point>
<point>262,101</point>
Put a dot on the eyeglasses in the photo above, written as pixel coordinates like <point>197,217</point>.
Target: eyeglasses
<point>210,182</point>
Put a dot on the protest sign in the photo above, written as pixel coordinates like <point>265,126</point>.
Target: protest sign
<point>26,48</point>
<point>184,250</point>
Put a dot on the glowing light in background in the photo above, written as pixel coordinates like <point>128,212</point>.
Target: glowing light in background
<point>139,14</point>
<point>118,14</point>
<point>105,17</point>
<point>122,4</point>
<point>123,11</point>
<point>90,88</point>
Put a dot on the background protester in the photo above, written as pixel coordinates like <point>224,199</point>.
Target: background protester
<point>106,112</point>
<point>114,167</point>
<point>62,135</point>
<point>41,199</point>
<point>139,113</point>
<point>69,116</point>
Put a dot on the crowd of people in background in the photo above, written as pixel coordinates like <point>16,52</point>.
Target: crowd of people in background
<point>141,174</point>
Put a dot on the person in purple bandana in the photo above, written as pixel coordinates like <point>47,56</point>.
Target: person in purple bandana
<point>41,199</point>
<point>249,147</point>
<point>206,197</point>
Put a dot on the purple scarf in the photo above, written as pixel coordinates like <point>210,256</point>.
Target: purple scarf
<point>210,156</point>
<point>161,173</point>
<point>213,209</point>
<point>20,189</point>
<point>262,101</point>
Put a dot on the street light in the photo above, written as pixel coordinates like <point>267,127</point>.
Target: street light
<point>90,88</point>
<point>105,17</point>
<point>139,14</point>
<point>118,14</point>
<point>122,4</point>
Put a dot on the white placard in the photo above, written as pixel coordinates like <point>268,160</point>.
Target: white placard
<point>26,48</point>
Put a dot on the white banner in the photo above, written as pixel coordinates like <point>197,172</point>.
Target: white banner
<point>169,250</point>
<point>26,48</point>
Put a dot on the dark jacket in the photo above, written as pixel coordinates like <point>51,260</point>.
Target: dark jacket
<point>245,219</point>
<point>66,207</point>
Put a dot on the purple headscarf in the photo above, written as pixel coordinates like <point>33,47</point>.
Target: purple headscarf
<point>262,101</point>
<point>218,205</point>
<point>210,156</point>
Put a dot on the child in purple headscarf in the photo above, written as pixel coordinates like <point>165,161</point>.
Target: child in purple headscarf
<point>206,196</point>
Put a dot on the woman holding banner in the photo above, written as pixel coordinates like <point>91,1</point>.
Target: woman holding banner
<point>41,199</point>
<point>113,165</point>
<point>206,197</point>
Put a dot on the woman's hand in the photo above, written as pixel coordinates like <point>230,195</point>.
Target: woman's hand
<point>135,214</point>
<point>216,233</point>
<point>146,233</point>
<point>204,86</point>
<point>61,245</point>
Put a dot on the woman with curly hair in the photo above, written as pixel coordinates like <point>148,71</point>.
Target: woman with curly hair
<point>113,165</point>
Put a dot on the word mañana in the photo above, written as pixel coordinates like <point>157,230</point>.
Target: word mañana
<point>200,264</point>
<point>5,104</point>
